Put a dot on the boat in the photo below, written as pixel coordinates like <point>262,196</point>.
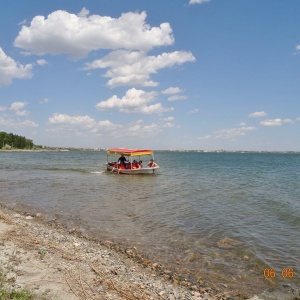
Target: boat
<point>128,161</point>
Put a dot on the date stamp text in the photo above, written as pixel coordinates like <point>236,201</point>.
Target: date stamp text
<point>284,273</point>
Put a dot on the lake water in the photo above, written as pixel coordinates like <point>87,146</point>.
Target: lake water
<point>218,217</point>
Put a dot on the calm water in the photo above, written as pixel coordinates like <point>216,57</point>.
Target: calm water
<point>221,217</point>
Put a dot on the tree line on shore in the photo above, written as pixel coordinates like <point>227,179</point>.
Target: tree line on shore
<point>13,141</point>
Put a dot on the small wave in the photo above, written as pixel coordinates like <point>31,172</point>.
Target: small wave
<point>79,170</point>
<point>97,172</point>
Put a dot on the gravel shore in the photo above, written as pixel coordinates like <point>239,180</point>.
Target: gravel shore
<point>56,263</point>
<point>53,262</point>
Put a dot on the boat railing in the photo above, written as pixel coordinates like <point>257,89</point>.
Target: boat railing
<point>117,165</point>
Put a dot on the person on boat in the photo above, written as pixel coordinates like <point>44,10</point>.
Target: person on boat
<point>140,164</point>
<point>135,165</point>
<point>122,161</point>
<point>152,164</point>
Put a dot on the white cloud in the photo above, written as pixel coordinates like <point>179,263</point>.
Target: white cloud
<point>22,113</point>
<point>177,97</point>
<point>18,108</point>
<point>79,124</point>
<point>198,1</point>
<point>133,98</point>
<point>194,111</point>
<point>28,123</point>
<point>233,132</point>
<point>8,121</point>
<point>135,129</point>
<point>83,13</point>
<point>151,109</point>
<point>77,35</point>
<point>9,69</point>
<point>44,101</point>
<point>289,121</point>
<point>174,91</point>
<point>105,123</point>
<point>140,129</point>
<point>82,121</point>
<point>41,62</point>
<point>169,119</point>
<point>134,101</point>
<point>257,114</point>
<point>168,125</point>
<point>108,124</point>
<point>152,128</point>
<point>242,124</point>
<point>22,22</point>
<point>135,67</point>
<point>274,122</point>
<point>171,91</point>
<point>11,118</point>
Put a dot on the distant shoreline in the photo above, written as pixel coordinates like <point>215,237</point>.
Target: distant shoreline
<point>171,150</point>
<point>32,150</point>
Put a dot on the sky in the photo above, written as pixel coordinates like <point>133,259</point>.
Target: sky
<point>173,74</point>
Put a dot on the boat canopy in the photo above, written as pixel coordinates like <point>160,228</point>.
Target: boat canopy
<point>129,152</point>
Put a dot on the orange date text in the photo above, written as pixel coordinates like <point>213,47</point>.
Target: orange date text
<point>285,273</point>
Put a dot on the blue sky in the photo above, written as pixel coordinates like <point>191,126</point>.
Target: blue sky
<point>180,74</point>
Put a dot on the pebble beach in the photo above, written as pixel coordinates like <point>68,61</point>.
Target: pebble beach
<point>55,263</point>
<point>52,262</point>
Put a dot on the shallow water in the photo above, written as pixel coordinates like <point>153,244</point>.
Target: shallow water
<point>222,217</point>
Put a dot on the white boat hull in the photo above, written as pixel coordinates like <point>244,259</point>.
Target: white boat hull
<point>146,170</point>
